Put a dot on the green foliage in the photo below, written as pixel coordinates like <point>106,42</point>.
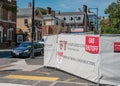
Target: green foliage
<point>113,11</point>
<point>43,11</point>
<point>60,30</point>
<point>112,24</point>
<point>2,1</point>
<point>8,6</point>
<point>109,30</point>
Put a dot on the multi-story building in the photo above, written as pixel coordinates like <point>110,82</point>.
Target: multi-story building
<point>24,22</point>
<point>51,24</point>
<point>7,21</point>
<point>50,18</point>
<point>75,21</point>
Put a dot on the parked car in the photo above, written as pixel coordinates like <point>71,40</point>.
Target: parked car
<point>42,40</point>
<point>25,49</point>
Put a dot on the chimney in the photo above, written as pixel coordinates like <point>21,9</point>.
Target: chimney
<point>48,10</point>
<point>85,8</point>
<point>53,13</point>
<point>29,5</point>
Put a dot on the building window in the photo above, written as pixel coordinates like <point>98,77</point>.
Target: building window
<point>25,21</point>
<point>64,19</point>
<point>40,23</point>
<point>9,16</point>
<point>1,13</point>
<point>78,18</point>
<point>44,22</point>
<point>9,34</point>
<point>71,19</point>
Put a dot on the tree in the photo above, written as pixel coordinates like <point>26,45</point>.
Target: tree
<point>111,25</point>
<point>113,11</point>
<point>44,12</point>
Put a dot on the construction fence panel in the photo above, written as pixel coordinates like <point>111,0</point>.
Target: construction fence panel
<point>110,60</point>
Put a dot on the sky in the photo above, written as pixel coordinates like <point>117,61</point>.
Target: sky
<point>69,5</point>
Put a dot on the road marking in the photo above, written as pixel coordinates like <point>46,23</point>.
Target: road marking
<point>32,77</point>
<point>68,80</point>
<point>53,84</point>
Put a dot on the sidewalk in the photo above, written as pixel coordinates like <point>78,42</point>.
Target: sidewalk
<point>36,61</point>
<point>21,65</point>
<point>9,84</point>
<point>5,49</point>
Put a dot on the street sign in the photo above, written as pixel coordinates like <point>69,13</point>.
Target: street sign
<point>19,38</point>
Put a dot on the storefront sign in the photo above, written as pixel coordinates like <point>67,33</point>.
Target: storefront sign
<point>19,38</point>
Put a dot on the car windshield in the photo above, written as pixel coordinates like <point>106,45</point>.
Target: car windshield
<point>25,44</point>
<point>42,40</point>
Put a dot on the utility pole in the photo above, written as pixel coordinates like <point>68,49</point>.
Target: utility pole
<point>97,18</point>
<point>33,30</point>
<point>85,25</point>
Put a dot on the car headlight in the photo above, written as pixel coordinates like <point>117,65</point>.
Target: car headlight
<point>26,51</point>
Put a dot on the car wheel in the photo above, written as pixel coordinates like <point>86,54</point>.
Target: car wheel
<point>12,55</point>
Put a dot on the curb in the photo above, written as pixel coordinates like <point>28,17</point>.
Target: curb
<point>5,49</point>
<point>10,84</point>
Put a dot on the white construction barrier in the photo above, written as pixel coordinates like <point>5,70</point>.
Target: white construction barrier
<point>50,51</point>
<point>91,57</point>
<point>110,60</point>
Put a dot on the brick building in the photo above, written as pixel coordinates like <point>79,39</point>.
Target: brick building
<point>7,21</point>
<point>52,24</point>
<point>76,22</point>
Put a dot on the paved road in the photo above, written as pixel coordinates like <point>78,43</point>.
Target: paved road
<point>31,72</point>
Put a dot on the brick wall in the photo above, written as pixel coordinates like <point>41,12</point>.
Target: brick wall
<point>5,24</point>
<point>47,30</point>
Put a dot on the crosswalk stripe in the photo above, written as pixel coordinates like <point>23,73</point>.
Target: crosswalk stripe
<point>32,77</point>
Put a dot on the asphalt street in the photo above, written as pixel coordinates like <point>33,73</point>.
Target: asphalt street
<point>31,72</point>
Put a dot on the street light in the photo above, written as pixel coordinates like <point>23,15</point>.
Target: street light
<point>33,30</point>
<point>97,16</point>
